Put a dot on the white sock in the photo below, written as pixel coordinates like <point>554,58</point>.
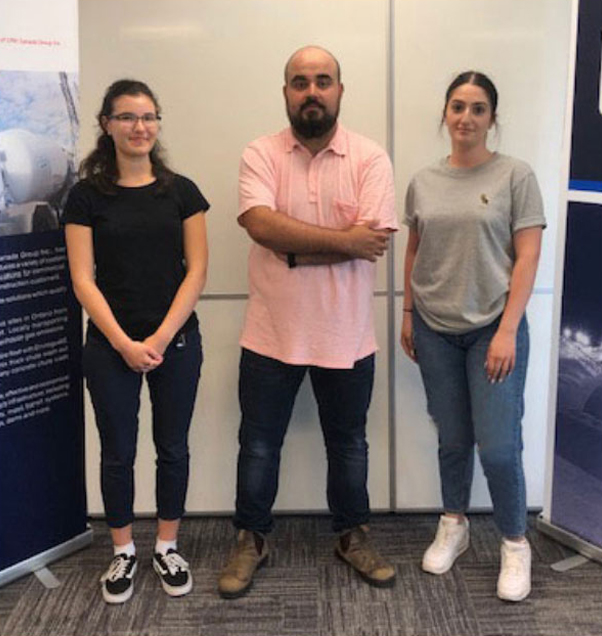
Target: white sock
<point>129,549</point>
<point>163,546</point>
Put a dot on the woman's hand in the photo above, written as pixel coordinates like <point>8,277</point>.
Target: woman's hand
<point>501,356</point>
<point>156,343</point>
<point>140,356</point>
<point>407,336</point>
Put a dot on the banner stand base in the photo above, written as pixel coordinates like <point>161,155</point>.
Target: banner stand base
<point>44,558</point>
<point>50,582</point>
<point>569,539</point>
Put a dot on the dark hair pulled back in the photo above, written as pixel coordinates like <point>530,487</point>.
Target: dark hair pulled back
<point>478,79</point>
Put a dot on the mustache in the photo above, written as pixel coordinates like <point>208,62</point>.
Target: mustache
<point>311,101</point>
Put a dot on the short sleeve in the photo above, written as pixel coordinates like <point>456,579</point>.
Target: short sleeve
<point>409,217</point>
<point>190,197</point>
<point>527,204</point>
<point>256,179</point>
<point>79,205</point>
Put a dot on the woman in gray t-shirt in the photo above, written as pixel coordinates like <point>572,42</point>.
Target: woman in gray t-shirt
<point>475,221</point>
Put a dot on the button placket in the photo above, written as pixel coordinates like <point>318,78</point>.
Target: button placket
<point>312,185</point>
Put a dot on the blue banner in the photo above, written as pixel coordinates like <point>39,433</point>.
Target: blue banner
<point>576,467</point>
<point>586,142</point>
<point>577,476</point>
<point>42,479</point>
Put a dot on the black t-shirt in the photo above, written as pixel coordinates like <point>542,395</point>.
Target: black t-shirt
<point>138,248</point>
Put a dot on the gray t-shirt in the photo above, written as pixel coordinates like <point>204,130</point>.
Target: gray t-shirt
<point>465,218</point>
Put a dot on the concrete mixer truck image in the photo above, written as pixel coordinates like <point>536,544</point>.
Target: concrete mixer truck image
<point>35,173</point>
<point>37,164</point>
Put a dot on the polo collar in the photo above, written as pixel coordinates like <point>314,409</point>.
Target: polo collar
<point>338,144</point>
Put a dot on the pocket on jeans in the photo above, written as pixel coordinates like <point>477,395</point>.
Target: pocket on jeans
<point>186,341</point>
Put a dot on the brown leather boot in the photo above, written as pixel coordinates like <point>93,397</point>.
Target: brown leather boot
<point>354,547</point>
<point>250,553</point>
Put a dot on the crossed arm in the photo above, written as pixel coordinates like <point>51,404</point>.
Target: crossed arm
<point>148,354</point>
<point>312,244</point>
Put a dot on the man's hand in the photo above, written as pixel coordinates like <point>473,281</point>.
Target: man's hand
<point>362,241</point>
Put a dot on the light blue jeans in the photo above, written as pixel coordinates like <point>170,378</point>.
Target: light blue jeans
<point>468,409</point>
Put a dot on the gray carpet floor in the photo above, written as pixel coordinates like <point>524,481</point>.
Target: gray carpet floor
<point>305,591</point>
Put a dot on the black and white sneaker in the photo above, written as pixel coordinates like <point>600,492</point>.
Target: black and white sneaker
<point>118,581</point>
<point>174,573</point>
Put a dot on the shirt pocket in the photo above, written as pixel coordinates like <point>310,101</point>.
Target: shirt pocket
<point>344,213</point>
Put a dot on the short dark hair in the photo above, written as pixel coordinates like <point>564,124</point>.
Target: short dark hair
<point>478,79</point>
<point>100,166</point>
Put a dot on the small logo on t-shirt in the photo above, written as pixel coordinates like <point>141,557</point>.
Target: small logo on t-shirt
<point>484,199</point>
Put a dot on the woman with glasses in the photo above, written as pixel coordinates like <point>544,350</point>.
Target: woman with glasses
<point>137,248</point>
<point>475,222</point>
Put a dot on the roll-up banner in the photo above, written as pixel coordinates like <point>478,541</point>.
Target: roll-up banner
<point>42,488</point>
<point>573,512</point>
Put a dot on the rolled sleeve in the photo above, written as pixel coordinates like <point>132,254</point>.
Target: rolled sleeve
<point>527,204</point>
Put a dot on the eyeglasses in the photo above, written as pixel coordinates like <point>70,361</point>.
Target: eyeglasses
<point>130,119</point>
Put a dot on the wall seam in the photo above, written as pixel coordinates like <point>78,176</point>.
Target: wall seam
<point>391,332</point>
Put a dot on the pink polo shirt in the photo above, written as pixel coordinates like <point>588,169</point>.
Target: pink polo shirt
<point>314,315</point>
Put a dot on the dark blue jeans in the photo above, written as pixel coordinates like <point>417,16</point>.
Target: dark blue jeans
<point>115,392</point>
<point>267,392</point>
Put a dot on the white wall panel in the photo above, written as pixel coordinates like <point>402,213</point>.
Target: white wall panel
<point>217,68</point>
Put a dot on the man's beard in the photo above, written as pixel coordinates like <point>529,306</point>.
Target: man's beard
<point>314,126</point>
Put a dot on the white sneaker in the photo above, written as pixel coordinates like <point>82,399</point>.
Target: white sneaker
<point>514,582</point>
<point>450,542</point>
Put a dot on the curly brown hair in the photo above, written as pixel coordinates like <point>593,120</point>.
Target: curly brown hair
<point>100,166</point>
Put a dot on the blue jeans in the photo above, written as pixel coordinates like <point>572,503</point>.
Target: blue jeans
<point>115,393</point>
<point>267,391</point>
<point>468,409</point>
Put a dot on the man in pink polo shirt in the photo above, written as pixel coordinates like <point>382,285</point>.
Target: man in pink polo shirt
<point>318,202</point>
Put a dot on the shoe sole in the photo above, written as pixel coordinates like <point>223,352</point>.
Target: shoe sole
<point>373,582</point>
<point>443,571</point>
<point>247,587</point>
<point>116,599</point>
<point>516,599</point>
